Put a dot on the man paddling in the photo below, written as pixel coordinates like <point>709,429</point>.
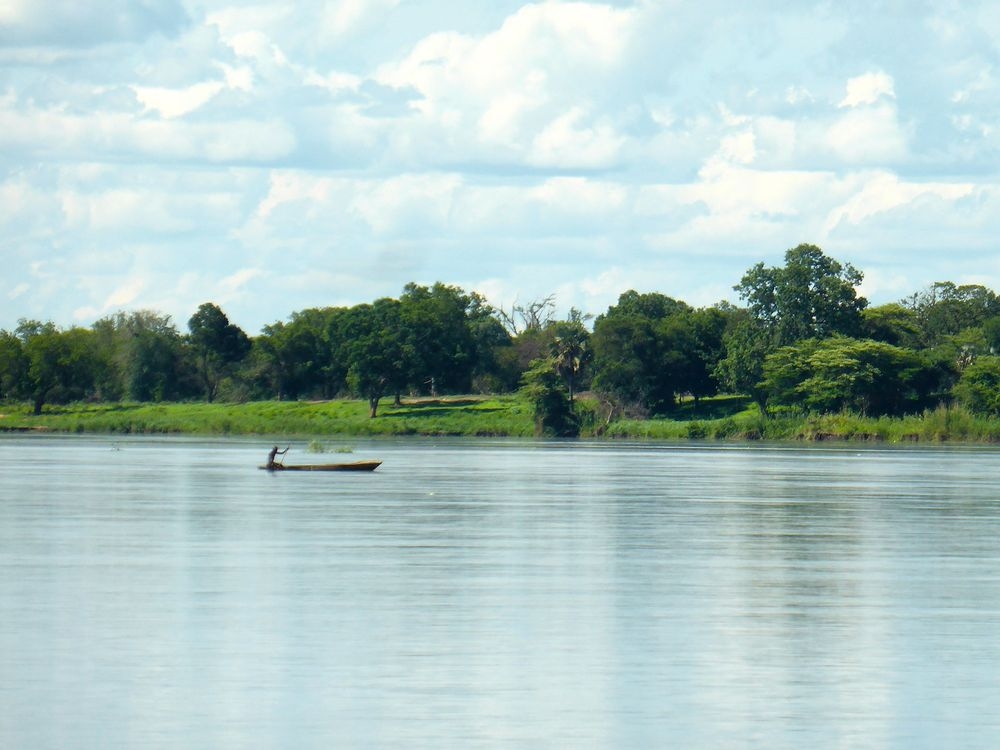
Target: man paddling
<point>274,452</point>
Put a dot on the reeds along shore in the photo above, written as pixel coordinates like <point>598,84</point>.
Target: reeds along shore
<point>504,416</point>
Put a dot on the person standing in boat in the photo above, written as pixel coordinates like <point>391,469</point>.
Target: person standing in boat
<point>274,452</point>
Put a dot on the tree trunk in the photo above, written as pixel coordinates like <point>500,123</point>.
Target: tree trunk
<point>373,406</point>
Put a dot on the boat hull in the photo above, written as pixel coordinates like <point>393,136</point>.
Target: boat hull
<point>353,466</point>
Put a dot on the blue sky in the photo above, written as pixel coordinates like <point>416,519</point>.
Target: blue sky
<point>273,156</point>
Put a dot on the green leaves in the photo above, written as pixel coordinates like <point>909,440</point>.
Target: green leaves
<point>550,404</point>
<point>978,389</point>
<point>218,343</point>
<point>861,375</point>
<point>649,348</point>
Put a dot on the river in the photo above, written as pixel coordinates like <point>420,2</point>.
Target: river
<point>165,593</point>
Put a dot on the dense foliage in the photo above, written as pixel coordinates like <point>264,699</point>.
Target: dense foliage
<point>804,342</point>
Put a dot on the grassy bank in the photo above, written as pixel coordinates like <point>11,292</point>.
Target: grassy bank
<point>454,416</point>
<point>937,426</point>
<point>730,419</point>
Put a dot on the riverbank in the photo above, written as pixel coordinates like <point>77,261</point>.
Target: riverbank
<point>460,416</point>
<point>727,419</point>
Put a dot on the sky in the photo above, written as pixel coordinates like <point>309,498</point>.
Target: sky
<point>273,156</point>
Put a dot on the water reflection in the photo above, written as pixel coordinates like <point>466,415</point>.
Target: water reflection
<point>497,595</point>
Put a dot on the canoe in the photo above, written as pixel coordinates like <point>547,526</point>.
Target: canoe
<point>354,466</point>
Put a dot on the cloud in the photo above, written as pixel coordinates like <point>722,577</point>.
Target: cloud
<point>338,149</point>
<point>83,23</point>
<point>573,140</point>
<point>172,103</point>
<point>868,89</point>
<point>880,192</point>
<point>119,298</point>
<point>871,135</point>
<point>19,290</point>
<point>118,135</point>
<point>125,294</point>
<point>234,284</point>
<point>343,17</point>
<point>527,88</point>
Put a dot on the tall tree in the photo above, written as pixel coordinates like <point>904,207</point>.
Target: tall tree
<point>570,350</point>
<point>13,366</point>
<point>811,296</point>
<point>945,309</point>
<point>550,403</point>
<point>708,328</point>
<point>293,354</point>
<point>649,348</point>
<point>141,357</point>
<point>435,323</point>
<point>378,355</point>
<point>642,350</point>
<point>217,344</point>
<point>61,364</point>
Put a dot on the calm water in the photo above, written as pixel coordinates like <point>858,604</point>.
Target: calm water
<point>164,593</point>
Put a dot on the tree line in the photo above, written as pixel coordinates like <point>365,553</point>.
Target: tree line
<point>802,340</point>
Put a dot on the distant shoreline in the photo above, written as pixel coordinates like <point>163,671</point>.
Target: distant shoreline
<point>490,416</point>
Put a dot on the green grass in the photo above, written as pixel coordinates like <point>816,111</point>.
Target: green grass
<point>470,416</point>
<point>723,418</point>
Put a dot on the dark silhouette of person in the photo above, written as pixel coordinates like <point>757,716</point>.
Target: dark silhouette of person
<point>274,452</point>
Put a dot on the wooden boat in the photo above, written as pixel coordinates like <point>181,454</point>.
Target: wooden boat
<point>353,466</point>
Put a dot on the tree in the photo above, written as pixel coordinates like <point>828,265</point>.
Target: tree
<point>435,323</point>
<point>217,344</point>
<point>747,344</point>
<point>570,349</point>
<point>893,323</point>
<point>13,366</point>
<point>945,309</point>
<point>533,316</point>
<point>377,353</point>
<point>626,364</point>
<point>141,357</point>
<point>991,333</point>
<point>832,374</point>
<point>978,389</point>
<point>60,364</point>
<point>293,358</point>
<point>648,348</point>
<point>551,406</point>
<point>708,331</point>
<point>490,340</point>
<point>811,296</point>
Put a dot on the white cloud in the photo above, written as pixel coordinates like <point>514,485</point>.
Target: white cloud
<point>343,17</point>
<point>340,149</point>
<point>87,22</point>
<point>871,135</point>
<point>882,191</point>
<point>234,284</point>
<point>409,201</point>
<point>868,89</point>
<point>19,290</point>
<point>126,294</point>
<point>177,102</point>
<point>580,197</point>
<point>526,86</point>
<point>119,298</point>
<point>574,140</point>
